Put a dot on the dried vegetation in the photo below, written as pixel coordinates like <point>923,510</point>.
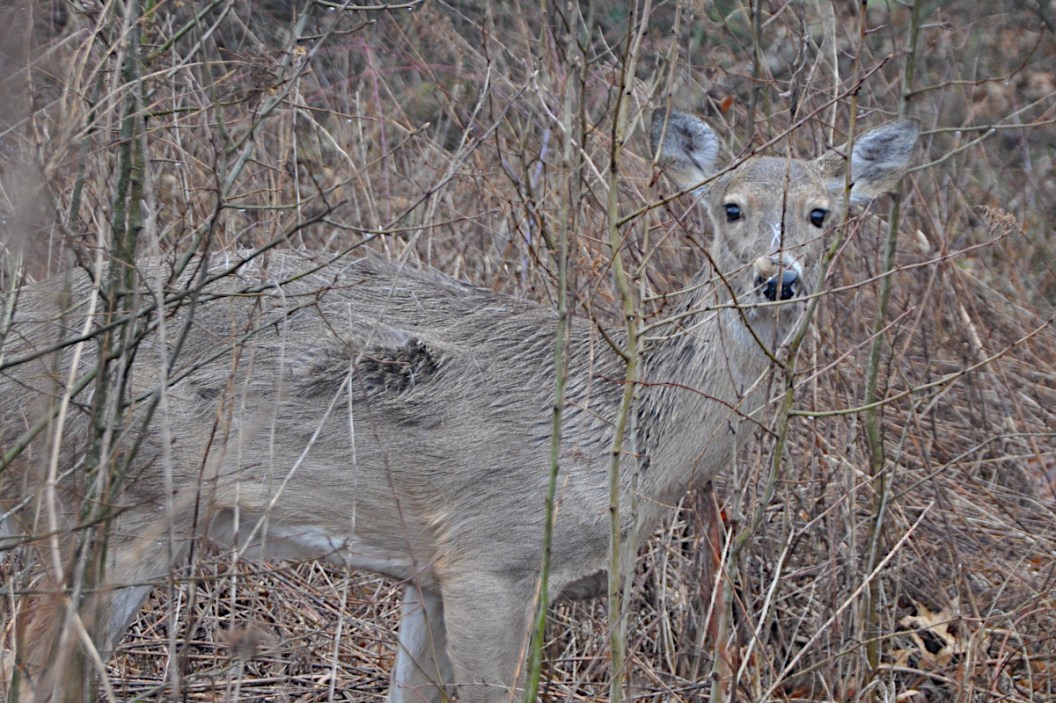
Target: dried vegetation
<point>437,132</point>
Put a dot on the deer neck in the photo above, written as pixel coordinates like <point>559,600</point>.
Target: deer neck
<point>705,380</point>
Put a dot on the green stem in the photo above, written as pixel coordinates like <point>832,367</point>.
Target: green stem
<point>568,220</point>
<point>621,554</point>
<point>871,416</point>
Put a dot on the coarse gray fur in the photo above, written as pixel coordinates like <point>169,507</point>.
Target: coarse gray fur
<point>398,421</point>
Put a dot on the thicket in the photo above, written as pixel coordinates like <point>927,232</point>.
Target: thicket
<point>905,547</point>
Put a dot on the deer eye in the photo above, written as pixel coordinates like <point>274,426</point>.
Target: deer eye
<point>817,216</point>
<point>733,212</point>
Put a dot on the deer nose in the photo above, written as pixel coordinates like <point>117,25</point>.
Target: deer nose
<point>777,278</point>
<point>784,289</point>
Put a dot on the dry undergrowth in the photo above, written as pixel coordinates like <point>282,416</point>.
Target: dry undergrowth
<point>434,132</point>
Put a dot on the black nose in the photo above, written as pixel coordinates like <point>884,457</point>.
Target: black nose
<point>789,284</point>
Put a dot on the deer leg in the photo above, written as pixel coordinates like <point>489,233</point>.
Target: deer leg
<point>422,668</point>
<point>47,642</point>
<point>487,626</point>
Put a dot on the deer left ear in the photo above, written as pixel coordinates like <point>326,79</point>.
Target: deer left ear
<point>685,146</point>
<point>879,159</point>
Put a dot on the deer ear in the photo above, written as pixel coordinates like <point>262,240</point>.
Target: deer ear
<point>879,159</point>
<point>685,146</point>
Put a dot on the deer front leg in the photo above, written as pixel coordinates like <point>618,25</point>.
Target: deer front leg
<point>487,625</point>
<point>422,669</point>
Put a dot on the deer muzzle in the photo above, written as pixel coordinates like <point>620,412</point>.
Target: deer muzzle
<point>776,279</point>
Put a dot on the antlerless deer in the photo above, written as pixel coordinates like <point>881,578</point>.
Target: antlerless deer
<point>398,421</point>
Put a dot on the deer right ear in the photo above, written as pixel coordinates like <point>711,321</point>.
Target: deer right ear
<point>879,159</point>
<point>685,147</point>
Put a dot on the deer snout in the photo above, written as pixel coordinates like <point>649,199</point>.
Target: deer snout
<point>777,279</point>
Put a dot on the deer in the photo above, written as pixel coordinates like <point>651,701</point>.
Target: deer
<point>391,419</point>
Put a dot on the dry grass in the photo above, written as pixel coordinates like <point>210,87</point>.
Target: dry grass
<point>435,133</point>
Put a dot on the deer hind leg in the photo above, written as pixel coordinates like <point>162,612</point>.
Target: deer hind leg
<point>52,633</point>
<point>422,671</point>
<point>487,626</point>
<point>53,636</point>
